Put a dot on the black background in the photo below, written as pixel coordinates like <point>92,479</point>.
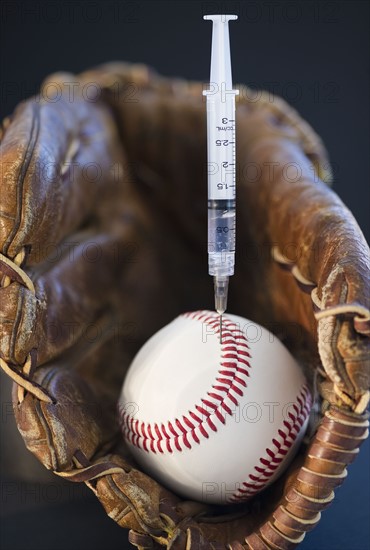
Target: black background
<point>313,53</point>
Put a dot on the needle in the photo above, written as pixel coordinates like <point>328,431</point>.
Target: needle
<point>221,285</point>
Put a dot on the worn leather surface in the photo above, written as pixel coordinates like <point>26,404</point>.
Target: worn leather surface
<point>103,239</point>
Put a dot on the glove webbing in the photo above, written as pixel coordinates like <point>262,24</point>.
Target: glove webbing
<point>360,315</point>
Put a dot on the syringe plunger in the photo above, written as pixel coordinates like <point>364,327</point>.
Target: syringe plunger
<point>220,56</point>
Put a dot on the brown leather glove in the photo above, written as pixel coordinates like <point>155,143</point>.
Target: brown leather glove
<point>103,241</point>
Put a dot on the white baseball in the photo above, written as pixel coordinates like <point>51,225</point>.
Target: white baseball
<point>214,422</point>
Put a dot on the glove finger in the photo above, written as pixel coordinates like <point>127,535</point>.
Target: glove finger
<point>80,419</point>
<point>71,293</point>
<point>57,154</point>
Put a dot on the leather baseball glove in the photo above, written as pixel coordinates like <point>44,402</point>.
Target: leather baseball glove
<point>103,241</point>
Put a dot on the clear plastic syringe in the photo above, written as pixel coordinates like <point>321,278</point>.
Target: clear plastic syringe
<point>221,162</point>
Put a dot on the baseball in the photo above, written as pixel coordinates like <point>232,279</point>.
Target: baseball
<point>214,421</point>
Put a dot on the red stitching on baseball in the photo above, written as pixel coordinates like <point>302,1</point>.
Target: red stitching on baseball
<point>234,344</point>
<point>171,428</point>
<point>179,425</point>
<point>202,411</point>
<point>215,395</point>
<point>209,403</point>
<point>211,424</point>
<point>226,408</point>
<point>195,417</point>
<point>256,482</point>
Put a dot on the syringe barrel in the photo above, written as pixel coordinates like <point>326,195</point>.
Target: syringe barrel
<point>221,152</point>
<point>221,237</point>
<point>221,182</point>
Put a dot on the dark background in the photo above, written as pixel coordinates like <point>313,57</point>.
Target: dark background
<point>313,53</point>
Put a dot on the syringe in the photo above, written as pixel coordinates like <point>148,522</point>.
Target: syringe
<point>221,162</point>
